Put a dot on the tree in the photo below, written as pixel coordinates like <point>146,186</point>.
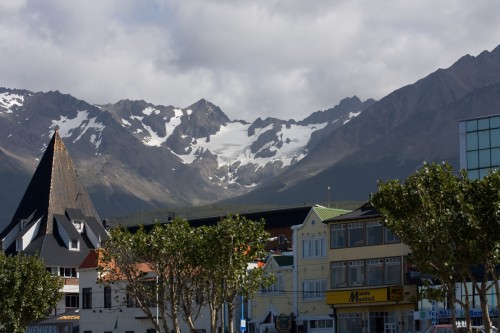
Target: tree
<point>154,270</point>
<point>28,291</point>
<point>234,243</point>
<point>451,225</point>
<point>176,269</point>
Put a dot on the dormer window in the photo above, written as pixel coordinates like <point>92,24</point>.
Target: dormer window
<point>74,245</point>
<point>78,225</point>
<point>19,244</point>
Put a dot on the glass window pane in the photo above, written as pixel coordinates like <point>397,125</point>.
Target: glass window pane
<point>495,157</point>
<point>374,272</point>
<point>473,174</point>
<point>393,270</point>
<point>374,232</point>
<point>472,160</point>
<point>471,125</point>
<point>471,141</point>
<point>484,158</point>
<point>494,122</point>
<point>337,234</point>
<point>484,172</point>
<point>483,124</point>
<point>356,276</point>
<point>495,137</point>
<point>483,139</point>
<point>356,237</point>
<point>390,237</point>
<point>338,274</point>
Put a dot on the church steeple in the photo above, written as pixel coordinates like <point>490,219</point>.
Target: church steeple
<point>54,190</point>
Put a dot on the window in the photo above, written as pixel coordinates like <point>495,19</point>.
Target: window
<point>356,234</point>
<point>338,236</point>
<point>67,272</point>
<point>73,245</point>
<point>393,270</point>
<point>390,237</point>
<point>374,233</point>
<point>374,272</point>
<point>107,297</point>
<point>338,274</point>
<point>71,300</point>
<point>356,276</point>
<point>278,286</point>
<point>130,301</point>
<point>322,323</point>
<point>313,248</point>
<point>87,298</point>
<point>313,289</point>
<point>151,330</point>
<point>52,270</point>
<point>78,225</point>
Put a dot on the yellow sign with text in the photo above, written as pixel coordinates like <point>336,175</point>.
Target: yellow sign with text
<point>364,295</point>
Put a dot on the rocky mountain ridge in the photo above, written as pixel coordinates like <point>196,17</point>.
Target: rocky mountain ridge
<point>134,155</point>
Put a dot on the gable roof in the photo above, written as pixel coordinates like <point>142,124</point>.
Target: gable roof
<point>366,211</point>
<point>326,213</point>
<point>282,261</point>
<point>55,197</point>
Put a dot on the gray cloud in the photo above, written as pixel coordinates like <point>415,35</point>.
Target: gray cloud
<point>262,58</point>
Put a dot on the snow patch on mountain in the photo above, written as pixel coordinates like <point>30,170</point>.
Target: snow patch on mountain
<point>82,123</point>
<point>8,100</point>
<point>352,115</point>
<point>232,144</point>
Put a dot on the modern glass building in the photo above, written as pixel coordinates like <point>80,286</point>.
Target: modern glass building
<point>480,145</point>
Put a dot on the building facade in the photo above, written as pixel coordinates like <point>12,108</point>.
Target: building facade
<point>297,299</point>
<point>480,145</point>
<point>367,290</point>
<point>56,220</point>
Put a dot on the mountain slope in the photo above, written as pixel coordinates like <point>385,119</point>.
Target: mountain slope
<point>135,156</point>
<point>393,137</point>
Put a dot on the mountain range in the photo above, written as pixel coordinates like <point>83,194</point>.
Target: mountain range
<point>133,155</point>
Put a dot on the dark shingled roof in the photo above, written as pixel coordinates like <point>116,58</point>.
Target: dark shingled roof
<point>366,211</point>
<point>275,218</point>
<point>55,195</point>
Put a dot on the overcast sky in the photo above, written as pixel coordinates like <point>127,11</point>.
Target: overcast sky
<point>264,58</point>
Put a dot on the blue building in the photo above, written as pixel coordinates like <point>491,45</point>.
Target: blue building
<point>480,145</point>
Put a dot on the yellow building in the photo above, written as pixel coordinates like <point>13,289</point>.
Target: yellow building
<point>297,299</point>
<point>367,291</point>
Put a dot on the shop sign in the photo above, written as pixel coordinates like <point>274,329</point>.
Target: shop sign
<point>364,295</point>
<point>50,328</point>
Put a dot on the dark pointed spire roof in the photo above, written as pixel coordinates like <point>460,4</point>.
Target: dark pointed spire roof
<point>54,191</point>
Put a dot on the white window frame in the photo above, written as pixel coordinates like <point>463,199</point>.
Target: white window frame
<point>278,286</point>
<point>314,248</point>
<point>313,290</point>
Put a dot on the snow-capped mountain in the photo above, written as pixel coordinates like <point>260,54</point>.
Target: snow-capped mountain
<point>134,155</point>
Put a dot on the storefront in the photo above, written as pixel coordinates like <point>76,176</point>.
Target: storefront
<point>374,310</point>
<point>67,322</point>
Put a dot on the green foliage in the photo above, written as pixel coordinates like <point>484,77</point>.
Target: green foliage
<point>193,267</point>
<point>451,224</point>
<point>28,291</point>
